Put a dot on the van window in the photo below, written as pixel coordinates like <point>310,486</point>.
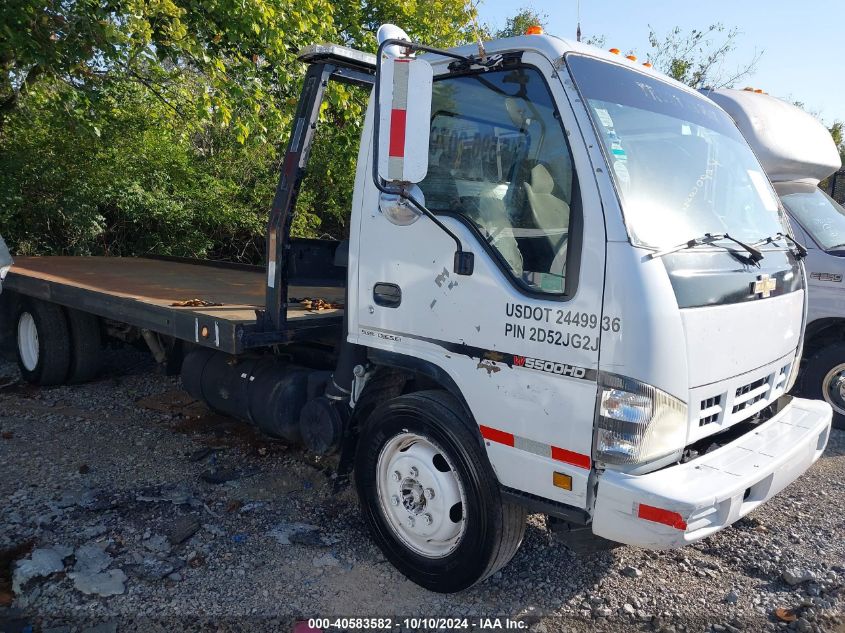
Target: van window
<point>498,157</point>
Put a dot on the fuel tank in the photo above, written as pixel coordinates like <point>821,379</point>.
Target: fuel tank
<point>267,391</point>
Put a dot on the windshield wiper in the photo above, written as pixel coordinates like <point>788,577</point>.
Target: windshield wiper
<point>800,250</point>
<point>709,238</point>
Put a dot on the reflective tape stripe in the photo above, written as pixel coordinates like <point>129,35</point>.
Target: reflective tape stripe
<point>397,133</point>
<point>659,515</point>
<point>537,448</point>
<point>571,457</point>
<point>398,120</point>
<point>495,435</point>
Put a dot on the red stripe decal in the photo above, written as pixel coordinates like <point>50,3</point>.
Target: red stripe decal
<point>397,133</point>
<point>570,457</point>
<point>659,515</point>
<point>495,435</point>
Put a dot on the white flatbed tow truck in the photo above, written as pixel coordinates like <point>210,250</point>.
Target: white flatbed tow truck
<point>549,304</point>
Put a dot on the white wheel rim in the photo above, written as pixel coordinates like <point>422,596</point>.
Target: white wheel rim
<point>28,341</point>
<point>421,495</point>
<point>833,388</point>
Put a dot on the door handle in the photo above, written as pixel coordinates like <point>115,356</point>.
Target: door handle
<point>387,295</point>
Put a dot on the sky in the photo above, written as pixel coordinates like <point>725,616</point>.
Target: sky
<point>802,58</point>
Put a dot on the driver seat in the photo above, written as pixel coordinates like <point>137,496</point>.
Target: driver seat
<point>549,213</point>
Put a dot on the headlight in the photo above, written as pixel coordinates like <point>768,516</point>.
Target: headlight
<point>637,423</point>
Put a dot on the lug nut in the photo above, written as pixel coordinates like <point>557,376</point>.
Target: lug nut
<point>394,500</point>
<point>411,521</point>
<point>397,476</point>
<point>427,519</point>
<point>414,471</point>
<point>429,493</point>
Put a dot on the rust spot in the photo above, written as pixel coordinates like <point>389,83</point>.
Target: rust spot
<point>494,356</point>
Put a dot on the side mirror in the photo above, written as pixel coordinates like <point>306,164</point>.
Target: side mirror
<point>405,85</point>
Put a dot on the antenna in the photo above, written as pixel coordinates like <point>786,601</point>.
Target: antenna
<point>578,31</point>
<point>482,53</point>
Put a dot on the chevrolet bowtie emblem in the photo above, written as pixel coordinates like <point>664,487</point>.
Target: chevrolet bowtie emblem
<point>764,286</point>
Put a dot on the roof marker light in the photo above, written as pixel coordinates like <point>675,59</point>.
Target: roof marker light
<point>615,51</point>
<point>647,64</point>
<point>633,58</point>
<point>534,29</point>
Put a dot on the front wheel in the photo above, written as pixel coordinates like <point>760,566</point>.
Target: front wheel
<point>824,379</point>
<point>429,495</point>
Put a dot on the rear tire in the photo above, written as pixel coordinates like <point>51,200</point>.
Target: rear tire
<point>824,379</point>
<point>43,342</point>
<point>429,495</point>
<point>86,346</point>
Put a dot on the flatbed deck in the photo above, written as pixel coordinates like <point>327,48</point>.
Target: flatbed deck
<point>146,293</point>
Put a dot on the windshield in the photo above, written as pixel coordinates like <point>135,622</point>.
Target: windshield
<point>819,214</point>
<point>681,167</point>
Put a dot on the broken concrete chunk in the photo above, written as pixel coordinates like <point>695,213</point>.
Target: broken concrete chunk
<point>151,569</point>
<point>182,529</point>
<point>108,583</point>
<point>157,543</point>
<point>91,558</point>
<point>42,562</point>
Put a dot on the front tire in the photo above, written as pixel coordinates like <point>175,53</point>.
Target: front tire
<point>43,342</point>
<point>824,379</point>
<point>429,496</point>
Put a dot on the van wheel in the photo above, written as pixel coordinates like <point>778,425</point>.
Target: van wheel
<point>43,342</point>
<point>86,346</point>
<point>429,495</point>
<point>824,379</point>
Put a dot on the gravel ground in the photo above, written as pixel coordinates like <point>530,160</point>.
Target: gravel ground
<point>114,516</point>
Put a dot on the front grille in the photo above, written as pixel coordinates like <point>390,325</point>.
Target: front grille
<point>751,393</point>
<point>709,410</point>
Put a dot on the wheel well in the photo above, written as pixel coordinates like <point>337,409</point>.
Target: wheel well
<point>399,374</point>
<point>822,333</point>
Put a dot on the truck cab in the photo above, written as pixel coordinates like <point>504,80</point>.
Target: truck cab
<point>797,152</point>
<point>623,351</point>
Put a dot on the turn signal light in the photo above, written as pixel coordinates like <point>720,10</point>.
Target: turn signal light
<point>560,480</point>
<point>536,29</point>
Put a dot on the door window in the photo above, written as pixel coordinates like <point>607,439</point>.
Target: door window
<point>499,158</point>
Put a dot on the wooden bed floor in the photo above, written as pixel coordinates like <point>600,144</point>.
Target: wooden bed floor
<point>163,283</point>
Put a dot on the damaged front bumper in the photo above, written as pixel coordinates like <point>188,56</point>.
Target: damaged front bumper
<point>684,503</point>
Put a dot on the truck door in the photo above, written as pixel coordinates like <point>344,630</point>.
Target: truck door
<point>519,337</point>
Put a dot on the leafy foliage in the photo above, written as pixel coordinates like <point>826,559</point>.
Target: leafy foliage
<point>130,127</point>
<point>519,23</point>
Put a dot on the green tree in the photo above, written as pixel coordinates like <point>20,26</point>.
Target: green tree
<point>837,131</point>
<point>519,23</point>
<point>134,127</point>
<point>697,57</point>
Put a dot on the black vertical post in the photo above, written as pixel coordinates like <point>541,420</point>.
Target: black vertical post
<point>284,202</point>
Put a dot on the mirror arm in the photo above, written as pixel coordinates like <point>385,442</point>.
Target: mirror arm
<point>464,260</point>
